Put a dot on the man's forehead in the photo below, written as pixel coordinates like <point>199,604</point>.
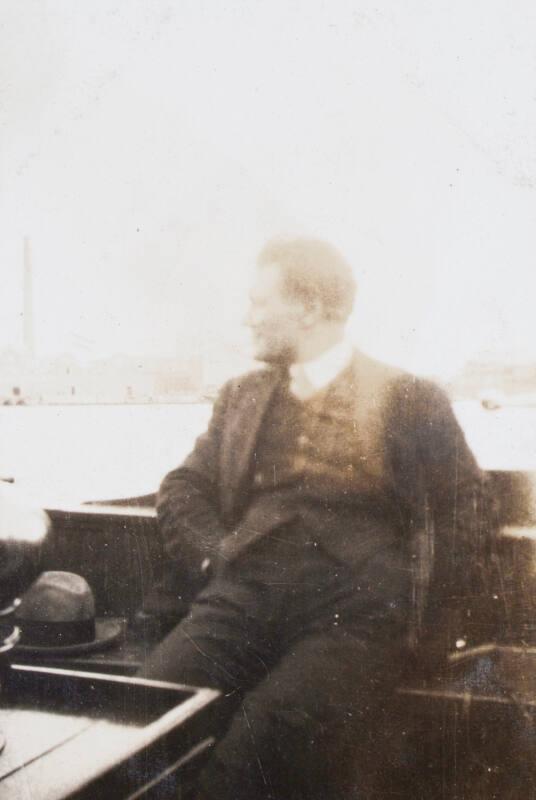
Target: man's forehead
<point>266,280</point>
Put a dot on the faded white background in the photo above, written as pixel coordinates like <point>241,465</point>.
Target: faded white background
<point>149,148</point>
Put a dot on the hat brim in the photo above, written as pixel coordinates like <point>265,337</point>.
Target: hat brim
<point>107,632</point>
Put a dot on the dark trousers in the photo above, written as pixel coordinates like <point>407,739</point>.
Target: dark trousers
<point>305,650</point>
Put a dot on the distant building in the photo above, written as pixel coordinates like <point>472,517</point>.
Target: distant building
<point>488,376</point>
<point>118,379</point>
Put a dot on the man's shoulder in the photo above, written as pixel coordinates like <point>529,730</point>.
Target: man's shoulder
<point>378,378</point>
<point>368,365</point>
<point>418,402</point>
<point>421,390</point>
<point>251,382</point>
<point>395,376</point>
<point>395,389</point>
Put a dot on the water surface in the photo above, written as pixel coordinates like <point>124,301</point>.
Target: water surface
<point>65,454</point>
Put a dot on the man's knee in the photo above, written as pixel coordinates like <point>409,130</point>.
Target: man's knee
<point>217,644</point>
<point>278,749</point>
<point>263,756</point>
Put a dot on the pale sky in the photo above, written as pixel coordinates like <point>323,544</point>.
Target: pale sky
<point>149,148</point>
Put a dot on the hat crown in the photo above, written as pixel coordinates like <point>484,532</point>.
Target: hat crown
<point>56,617</point>
<point>57,597</point>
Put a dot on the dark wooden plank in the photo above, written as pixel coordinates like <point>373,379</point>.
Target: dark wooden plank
<point>117,550</point>
<point>118,733</point>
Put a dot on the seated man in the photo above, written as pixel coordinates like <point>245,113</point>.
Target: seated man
<point>323,486</point>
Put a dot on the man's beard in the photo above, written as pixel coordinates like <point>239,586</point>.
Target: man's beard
<point>283,357</point>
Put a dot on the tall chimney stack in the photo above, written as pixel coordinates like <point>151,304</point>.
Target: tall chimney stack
<point>29,344</point>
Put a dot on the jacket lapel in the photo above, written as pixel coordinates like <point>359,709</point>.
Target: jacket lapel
<point>358,393</point>
<point>358,397</point>
<point>356,389</point>
<point>240,435</point>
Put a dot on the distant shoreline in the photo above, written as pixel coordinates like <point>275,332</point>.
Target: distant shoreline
<point>86,404</point>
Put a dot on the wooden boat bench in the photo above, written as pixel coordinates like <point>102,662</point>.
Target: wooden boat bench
<point>462,734</point>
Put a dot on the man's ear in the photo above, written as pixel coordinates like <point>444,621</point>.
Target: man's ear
<point>313,313</point>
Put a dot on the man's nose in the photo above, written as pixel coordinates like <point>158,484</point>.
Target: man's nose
<point>249,318</point>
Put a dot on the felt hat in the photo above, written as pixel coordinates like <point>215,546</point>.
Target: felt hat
<point>57,617</point>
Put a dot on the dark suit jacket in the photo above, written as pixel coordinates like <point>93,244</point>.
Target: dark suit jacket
<point>407,431</point>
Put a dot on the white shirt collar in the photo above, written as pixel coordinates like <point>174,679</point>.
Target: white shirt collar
<point>322,370</point>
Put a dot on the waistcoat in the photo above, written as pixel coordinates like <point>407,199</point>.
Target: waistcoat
<point>316,448</point>
<point>327,463</point>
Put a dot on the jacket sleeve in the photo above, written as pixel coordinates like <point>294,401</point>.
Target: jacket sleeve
<point>188,501</point>
<point>451,478</point>
<point>446,508</point>
<point>434,471</point>
<point>466,589</point>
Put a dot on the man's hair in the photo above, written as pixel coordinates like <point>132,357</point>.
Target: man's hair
<point>313,272</point>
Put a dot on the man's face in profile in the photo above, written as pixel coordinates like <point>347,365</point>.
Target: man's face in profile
<point>275,320</point>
